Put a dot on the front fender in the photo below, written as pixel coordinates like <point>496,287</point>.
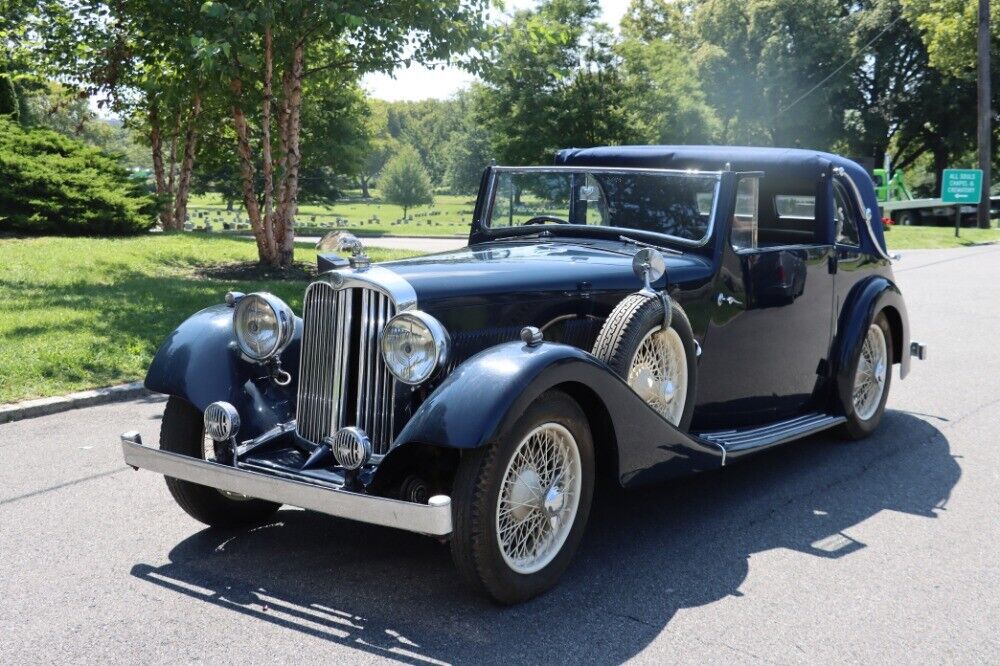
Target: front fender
<point>482,399</point>
<point>201,363</point>
<point>864,302</point>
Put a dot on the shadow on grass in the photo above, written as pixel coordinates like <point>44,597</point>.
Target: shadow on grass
<point>647,555</point>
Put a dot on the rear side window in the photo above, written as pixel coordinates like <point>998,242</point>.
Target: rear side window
<point>795,207</point>
<point>843,215</point>
<point>744,232</point>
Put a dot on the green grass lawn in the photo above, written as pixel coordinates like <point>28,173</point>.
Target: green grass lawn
<point>932,238</point>
<point>79,313</point>
<point>448,215</point>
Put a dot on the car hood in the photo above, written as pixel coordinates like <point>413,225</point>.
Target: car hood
<point>518,269</point>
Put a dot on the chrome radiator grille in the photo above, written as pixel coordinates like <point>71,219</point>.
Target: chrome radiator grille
<point>342,378</point>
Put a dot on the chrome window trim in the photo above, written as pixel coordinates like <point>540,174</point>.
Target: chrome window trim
<point>842,175</point>
<point>709,229</point>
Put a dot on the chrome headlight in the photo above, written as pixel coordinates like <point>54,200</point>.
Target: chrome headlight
<point>264,325</point>
<point>414,345</point>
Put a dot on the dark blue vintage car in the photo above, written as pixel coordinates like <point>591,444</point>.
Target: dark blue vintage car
<point>633,312</point>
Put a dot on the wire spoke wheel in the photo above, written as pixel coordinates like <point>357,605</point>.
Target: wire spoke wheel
<point>870,376</point>
<point>539,497</point>
<point>659,373</point>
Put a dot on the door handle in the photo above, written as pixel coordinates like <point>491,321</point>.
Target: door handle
<point>722,299</point>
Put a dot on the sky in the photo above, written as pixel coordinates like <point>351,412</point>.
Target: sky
<point>416,82</point>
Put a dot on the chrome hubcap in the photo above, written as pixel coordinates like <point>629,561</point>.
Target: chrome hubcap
<point>869,379</point>
<point>539,498</point>
<point>659,373</point>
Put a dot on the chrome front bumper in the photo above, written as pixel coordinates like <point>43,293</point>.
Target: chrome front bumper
<point>433,518</point>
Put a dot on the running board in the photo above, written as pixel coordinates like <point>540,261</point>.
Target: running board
<point>739,442</point>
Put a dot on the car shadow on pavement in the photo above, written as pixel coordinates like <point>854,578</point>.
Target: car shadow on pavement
<point>647,554</point>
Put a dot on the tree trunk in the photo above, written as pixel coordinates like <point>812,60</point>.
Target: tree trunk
<point>268,164</point>
<point>156,141</point>
<point>288,207</point>
<point>364,187</point>
<point>264,244</point>
<point>187,165</point>
<point>172,172</point>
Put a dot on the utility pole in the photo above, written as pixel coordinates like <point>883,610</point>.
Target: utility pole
<point>984,129</point>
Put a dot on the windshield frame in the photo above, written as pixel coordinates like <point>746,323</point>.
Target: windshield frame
<point>500,232</point>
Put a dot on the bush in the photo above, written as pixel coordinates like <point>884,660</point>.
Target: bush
<point>53,185</point>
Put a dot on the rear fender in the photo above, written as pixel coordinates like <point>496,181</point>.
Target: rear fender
<point>865,301</point>
<point>483,398</point>
<point>201,363</point>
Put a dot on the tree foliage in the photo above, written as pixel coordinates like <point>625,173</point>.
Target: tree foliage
<point>54,185</point>
<point>552,79</point>
<point>405,181</point>
<point>949,29</point>
<point>9,106</point>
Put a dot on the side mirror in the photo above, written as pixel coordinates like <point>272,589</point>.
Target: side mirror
<point>649,266</point>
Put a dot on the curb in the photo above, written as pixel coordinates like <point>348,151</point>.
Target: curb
<point>30,409</point>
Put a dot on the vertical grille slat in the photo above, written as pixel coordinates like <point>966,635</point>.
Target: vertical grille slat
<point>343,380</point>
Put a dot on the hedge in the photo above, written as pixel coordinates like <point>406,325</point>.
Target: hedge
<point>51,184</point>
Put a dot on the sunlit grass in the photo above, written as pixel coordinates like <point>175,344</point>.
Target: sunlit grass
<point>448,215</point>
<point>79,313</point>
<point>929,238</point>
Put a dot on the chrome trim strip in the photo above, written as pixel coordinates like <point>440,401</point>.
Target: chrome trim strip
<point>841,173</point>
<point>380,278</point>
<point>433,518</point>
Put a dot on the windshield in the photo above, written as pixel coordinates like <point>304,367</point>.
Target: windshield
<point>678,204</point>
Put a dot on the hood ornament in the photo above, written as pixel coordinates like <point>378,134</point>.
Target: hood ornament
<point>359,260</point>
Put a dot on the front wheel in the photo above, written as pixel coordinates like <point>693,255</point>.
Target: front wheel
<point>182,431</point>
<point>521,504</point>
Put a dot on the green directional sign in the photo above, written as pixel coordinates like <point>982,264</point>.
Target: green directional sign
<point>961,185</point>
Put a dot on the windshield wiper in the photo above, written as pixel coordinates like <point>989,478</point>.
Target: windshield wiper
<point>668,250</point>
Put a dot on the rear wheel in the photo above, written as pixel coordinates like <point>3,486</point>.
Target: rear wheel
<point>863,402</point>
<point>182,431</point>
<point>521,504</point>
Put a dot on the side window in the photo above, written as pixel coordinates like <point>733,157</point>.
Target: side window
<point>744,232</point>
<point>843,216</point>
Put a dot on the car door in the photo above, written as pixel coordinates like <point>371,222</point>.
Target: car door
<point>770,328</point>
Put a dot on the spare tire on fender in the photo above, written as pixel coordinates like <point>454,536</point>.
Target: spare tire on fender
<point>660,365</point>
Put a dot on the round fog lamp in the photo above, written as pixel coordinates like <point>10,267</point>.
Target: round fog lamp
<point>414,345</point>
<point>264,325</point>
<point>222,421</point>
<point>351,447</point>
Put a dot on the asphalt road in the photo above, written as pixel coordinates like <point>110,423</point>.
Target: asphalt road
<point>883,551</point>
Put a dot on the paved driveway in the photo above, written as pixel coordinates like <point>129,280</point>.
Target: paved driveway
<point>823,551</point>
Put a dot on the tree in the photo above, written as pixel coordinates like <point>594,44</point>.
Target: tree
<point>8,98</point>
<point>948,28</point>
<point>51,184</point>
<point>405,181</point>
<point>665,92</point>
<point>381,145</point>
<point>263,51</point>
<point>138,56</point>
<point>771,69</point>
<point>551,79</point>
<point>466,155</point>
<point>467,151</point>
